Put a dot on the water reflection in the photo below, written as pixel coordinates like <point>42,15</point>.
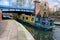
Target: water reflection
<point>40,34</point>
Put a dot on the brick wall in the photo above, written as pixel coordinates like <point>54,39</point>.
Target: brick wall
<point>0,16</point>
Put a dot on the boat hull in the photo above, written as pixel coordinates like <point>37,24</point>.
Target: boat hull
<point>34,25</point>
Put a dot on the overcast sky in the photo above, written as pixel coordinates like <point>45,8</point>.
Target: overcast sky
<point>51,2</point>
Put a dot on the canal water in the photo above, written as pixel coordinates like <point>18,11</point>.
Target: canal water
<point>44,35</point>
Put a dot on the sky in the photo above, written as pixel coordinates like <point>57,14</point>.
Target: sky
<point>6,2</point>
<point>51,2</point>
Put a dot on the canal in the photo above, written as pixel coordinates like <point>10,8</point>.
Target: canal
<point>44,35</point>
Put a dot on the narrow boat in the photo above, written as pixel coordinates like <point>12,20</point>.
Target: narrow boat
<point>36,21</point>
<point>40,19</point>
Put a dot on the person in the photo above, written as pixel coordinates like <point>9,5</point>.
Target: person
<point>39,17</point>
<point>44,15</point>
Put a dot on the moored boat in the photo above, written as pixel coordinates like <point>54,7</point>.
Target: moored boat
<point>40,19</point>
<point>43,23</point>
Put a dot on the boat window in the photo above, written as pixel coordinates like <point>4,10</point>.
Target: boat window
<point>32,19</point>
<point>23,17</point>
<point>44,15</point>
<point>39,15</point>
<point>26,18</point>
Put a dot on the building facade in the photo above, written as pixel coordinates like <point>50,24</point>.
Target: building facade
<point>41,7</point>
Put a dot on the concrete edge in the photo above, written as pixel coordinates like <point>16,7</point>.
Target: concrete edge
<point>28,35</point>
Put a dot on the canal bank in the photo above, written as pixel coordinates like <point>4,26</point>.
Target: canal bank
<point>12,30</point>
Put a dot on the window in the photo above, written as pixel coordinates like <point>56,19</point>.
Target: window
<point>23,17</point>
<point>32,19</point>
<point>44,15</point>
<point>44,12</point>
<point>26,18</point>
<point>45,4</point>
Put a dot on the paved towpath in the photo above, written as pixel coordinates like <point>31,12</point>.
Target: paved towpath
<point>11,30</point>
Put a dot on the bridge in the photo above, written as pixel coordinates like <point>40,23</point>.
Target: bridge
<point>17,5</point>
<point>8,8</point>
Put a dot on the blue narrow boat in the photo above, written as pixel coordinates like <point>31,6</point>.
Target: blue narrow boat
<point>40,19</point>
<point>36,21</point>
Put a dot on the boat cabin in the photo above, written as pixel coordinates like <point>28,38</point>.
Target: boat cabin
<point>27,18</point>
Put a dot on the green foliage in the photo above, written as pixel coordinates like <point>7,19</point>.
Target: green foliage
<point>56,13</point>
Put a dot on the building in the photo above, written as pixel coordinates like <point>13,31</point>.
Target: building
<point>41,7</point>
